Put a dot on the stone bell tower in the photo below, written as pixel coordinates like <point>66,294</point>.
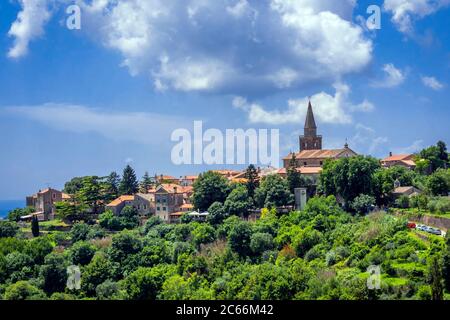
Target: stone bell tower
<point>310,140</point>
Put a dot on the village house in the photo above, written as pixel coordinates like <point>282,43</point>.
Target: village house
<point>144,203</point>
<point>408,191</point>
<point>404,160</point>
<point>44,203</point>
<point>168,199</point>
<point>166,179</point>
<point>311,156</point>
<point>188,180</point>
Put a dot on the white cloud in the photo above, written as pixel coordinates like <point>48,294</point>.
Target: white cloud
<point>138,127</point>
<point>393,77</point>
<point>28,26</point>
<point>327,108</point>
<point>416,146</point>
<point>404,12</point>
<point>432,82</point>
<point>366,138</point>
<point>281,44</point>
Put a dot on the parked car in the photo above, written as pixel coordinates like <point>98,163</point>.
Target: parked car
<point>435,231</point>
<point>420,227</point>
<point>411,225</point>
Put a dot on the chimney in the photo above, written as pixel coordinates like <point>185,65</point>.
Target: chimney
<point>390,154</point>
<point>175,189</point>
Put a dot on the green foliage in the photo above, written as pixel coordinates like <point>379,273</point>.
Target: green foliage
<point>127,219</point>
<point>438,183</point>
<point>217,213</point>
<point>129,184</point>
<point>251,174</point>
<point>35,226</point>
<point>240,238</point>
<point>402,202</point>
<point>145,283</point>
<point>14,215</point>
<point>238,202</point>
<point>261,242</point>
<point>146,183</point>
<point>95,273</point>
<point>8,229</point>
<point>202,234</point>
<point>435,278</point>
<point>210,187</point>
<point>23,290</point>
<point>54,273</point>
<point>81,253</point>
<point>349,177</point>
<point>362,204</point>
<point>436,157</point>
<point>273,192</point>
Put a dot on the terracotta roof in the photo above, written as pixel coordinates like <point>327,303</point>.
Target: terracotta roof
<point>66,196</point>
<point>317,154</point>
<point>398,157</point>
<point>177,214</point>
<point>310,170</point>
<point>403,189</point>
<point>119,200</point>
<point>303,170</point>
<point>409,163</point>
<point>226,172</point>
<point>171,187</point>
<point>187,206</point>
<point>164,177</point>
<point>238,180</point>
<point>190,177</point>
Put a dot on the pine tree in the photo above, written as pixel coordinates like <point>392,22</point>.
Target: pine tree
<point>146,183</point>
<point>129,184</point>
<point>111,187</point>
<point>35,226</point>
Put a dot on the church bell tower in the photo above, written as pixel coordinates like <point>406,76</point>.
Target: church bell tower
<point>310,140</point>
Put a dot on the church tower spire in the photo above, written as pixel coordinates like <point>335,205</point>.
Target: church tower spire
<point>310,140</point>
<point>310,124</point>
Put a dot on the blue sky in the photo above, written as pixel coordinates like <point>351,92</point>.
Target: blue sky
<point>88,101</point>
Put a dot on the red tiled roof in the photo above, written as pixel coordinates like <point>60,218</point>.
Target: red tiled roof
<point>398,157</point>
<point>119,200</point>
<point>316,154</point>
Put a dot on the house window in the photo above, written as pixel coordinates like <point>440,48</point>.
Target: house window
<point>164,208</point>
<point>54,195</point>
<point>321,162</point>
<point>304,163</point>
<point>157,208</point>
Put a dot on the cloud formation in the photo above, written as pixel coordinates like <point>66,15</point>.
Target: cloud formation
<point>393,77</point>
<point>137,127</point>
<point>29,24</point>
<point>432,83</point>
<point>327,108</point>
<point>199,45</point>
<point>405,12</point>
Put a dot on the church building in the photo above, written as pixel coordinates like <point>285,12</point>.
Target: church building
<point>311,155</point>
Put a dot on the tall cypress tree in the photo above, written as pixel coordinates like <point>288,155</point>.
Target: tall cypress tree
<point>251,174</point>
<point>129,183</point>
<point>35,226</point>
<point>293,176</point>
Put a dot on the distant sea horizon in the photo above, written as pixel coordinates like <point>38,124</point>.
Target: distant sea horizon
<point>8,205</point>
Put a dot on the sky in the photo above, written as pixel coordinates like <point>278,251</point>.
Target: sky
<point>90,100</point>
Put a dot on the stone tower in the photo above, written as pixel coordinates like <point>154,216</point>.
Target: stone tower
<point>310,140</point>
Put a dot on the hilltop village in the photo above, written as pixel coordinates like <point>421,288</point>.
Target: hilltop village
<point>169,197</point>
